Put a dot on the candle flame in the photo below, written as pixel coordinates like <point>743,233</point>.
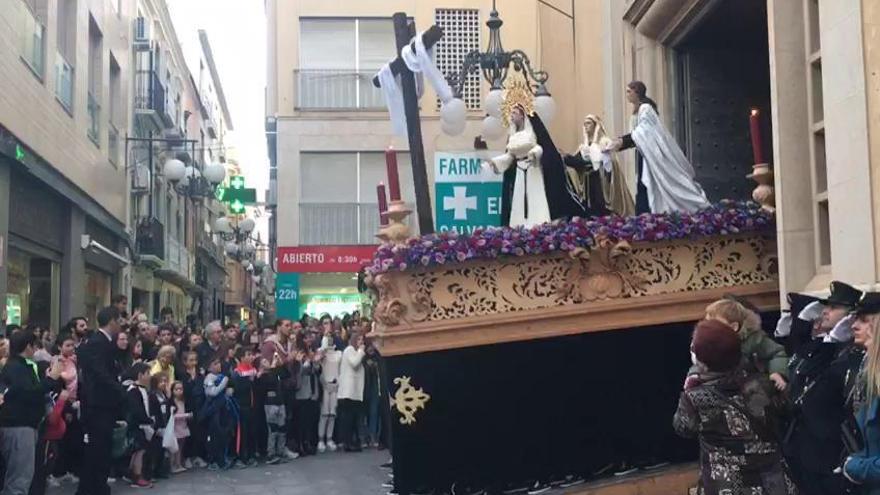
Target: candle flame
<point>754,111</point>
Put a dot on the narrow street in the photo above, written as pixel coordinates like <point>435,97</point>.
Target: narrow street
<point>327,474</point>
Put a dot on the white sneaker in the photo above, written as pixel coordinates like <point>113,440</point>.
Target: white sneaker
<point>53,481</point>
<point>290,454</point>
<point>200,463</point>
<point>331,446</point>
<point>322,447</point>
<point>188,464</point>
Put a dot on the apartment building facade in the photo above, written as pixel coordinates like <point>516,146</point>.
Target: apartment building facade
<point>180,113</point>
<point>65,69</point>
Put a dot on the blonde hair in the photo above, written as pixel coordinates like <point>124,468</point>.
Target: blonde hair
<point>166,351</point>
<point>872,361</point>
<point>734,312</point>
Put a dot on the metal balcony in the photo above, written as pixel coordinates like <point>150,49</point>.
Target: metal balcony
<point>150,100</point>
<point>151,241</point>
<point>330,89</point>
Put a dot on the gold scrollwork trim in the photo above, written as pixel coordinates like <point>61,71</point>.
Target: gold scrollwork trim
<point>408,399</point>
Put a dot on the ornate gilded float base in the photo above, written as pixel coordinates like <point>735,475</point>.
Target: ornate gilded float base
<point>613,286</point>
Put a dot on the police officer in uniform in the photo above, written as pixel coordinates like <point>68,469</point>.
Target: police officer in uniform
<point>817,376</point>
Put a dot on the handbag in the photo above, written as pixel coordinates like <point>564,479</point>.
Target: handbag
<point>169,439</point>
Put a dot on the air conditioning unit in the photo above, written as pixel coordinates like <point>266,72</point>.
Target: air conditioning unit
<point>142,35</point>
<point>140,179</point>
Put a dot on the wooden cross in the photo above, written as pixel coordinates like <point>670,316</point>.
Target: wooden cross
<point>404,31</point>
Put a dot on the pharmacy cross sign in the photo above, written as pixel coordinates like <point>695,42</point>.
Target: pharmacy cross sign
<point>236,196</point>
<point>460,203</point>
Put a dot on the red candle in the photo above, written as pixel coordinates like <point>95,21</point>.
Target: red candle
<point>393,177</point>
<point>757,141</point>
<point>383,204</point>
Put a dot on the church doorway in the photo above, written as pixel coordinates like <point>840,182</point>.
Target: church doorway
<point>723,71</point>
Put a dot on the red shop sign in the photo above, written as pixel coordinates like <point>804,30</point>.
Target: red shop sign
<point>324,259</point>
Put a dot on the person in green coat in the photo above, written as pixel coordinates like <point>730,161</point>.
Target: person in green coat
<point>759,352</point>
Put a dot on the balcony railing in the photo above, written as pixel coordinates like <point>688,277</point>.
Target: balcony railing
<point>177,258</point>
<point>94,130</point>
<point>339,223</point>
<point>113,143</point>
<point>330,89</point>
<point>64,82</point>
<point>151,238</point>
<point>149,92</point>
<point>32,39</point>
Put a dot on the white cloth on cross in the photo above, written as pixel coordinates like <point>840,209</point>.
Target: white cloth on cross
<point>420,63</point>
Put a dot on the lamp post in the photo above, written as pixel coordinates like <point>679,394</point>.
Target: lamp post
<point>240,243</point>
<point>495,64</point>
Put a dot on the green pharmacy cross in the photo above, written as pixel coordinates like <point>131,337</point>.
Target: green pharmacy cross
<point>236,196</point>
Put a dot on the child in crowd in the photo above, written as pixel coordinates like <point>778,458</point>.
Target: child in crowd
<point>243,378</point>
<point>160,467</point>
<point>194,395</point>
<point>181,426</point>
<point>141,424</point>
<point>760,353</point>
<point>219,414</point>
<point>332,359</point>
<point>270,381</point>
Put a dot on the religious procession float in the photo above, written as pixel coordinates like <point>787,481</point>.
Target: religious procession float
<point>555,345</point>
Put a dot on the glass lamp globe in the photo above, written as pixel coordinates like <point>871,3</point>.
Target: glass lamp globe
<point>260,264</point>
<point>215,173</point>
<point>249,249</point>
<point>493,102</point>
<point>222,225</point>
<point>246,264</point>
<point>174,170</point>
<point>453,111</point>
<point>453,129</point>
<point>191,172</point>
<point>493,128</point>
<point>247,225</point>
<point>545,106</point>
<point>231,248</point>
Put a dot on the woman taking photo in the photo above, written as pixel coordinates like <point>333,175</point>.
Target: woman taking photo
<point>734,415</point>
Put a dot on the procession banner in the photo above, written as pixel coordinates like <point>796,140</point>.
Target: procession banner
<point>467,197</point>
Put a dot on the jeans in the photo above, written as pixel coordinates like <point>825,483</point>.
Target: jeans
<point>18,445</point>
<point>373,423</point>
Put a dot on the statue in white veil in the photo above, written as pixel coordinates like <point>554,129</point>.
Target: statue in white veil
<point>528,203</point>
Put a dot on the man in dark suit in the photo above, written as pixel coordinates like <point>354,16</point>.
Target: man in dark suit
<point>102,397</point>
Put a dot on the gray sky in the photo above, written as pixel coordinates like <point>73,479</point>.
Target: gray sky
<point>237,32</point>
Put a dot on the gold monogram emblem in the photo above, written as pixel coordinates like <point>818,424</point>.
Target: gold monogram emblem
<point>408,399</point>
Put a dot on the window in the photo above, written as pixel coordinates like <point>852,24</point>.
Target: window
<point>334,211</point>
<point>66,51</point>
<point>816,111</point>
<point>461,35</point>
<point>96,58</point>
<point>33,34</point>
<point>115,106</point>
<point>338,59</point>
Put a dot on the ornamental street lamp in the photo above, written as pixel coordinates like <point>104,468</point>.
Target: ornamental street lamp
<point>189,181</point>
<point>495,64</point>
<point>240,244</point>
